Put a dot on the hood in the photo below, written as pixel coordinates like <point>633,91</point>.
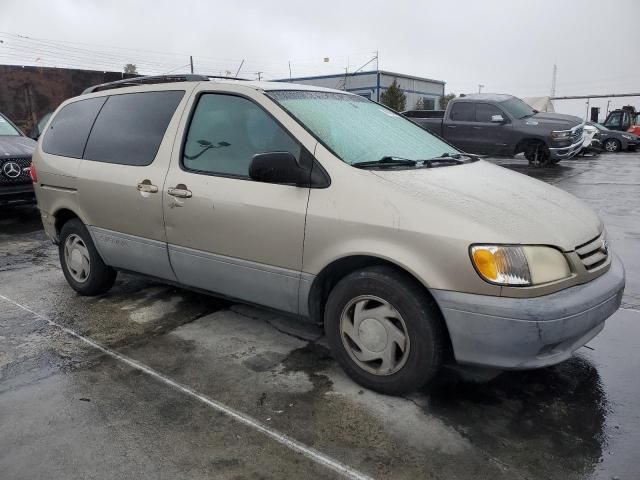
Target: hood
<point>557,120</point>
<point>513,206</point>
<point>16,146</point>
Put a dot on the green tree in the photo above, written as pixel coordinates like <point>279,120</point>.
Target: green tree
<point>394,97</point>
<point>131,68</point>
<point>444,100</point>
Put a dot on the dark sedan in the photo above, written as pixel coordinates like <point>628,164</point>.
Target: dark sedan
<point>615,141</point>
<point>15,160</point>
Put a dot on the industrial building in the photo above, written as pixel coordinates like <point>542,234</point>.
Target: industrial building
<point>28,93</point>
<point>372,84</point>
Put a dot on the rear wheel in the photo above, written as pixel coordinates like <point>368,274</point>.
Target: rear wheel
<point>385,332</point>
<point>612,145</point>
<point>81,264</point>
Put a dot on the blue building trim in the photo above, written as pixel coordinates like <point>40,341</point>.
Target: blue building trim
<point>381,89</point>
<point>318,77</point>
<point>378,73</point>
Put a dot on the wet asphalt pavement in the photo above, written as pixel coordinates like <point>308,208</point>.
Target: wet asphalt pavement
<point>68,410</point>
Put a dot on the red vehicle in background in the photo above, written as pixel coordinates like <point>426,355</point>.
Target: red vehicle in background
<point>621,119</point>
<point>635,127</point>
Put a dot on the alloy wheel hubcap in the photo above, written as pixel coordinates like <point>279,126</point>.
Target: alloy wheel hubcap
<point>611,146</point>
<point>374,335</point>
<point>76,256</point>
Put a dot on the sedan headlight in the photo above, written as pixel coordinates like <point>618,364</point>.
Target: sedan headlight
<point>628,137</point>
<point>519,265</point>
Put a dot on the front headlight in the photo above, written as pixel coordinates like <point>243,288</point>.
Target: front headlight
<point>628,137</point>
<point>561,134</point>
<point>519,266</point>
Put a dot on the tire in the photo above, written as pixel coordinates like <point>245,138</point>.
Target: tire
<point>537,154</point>
<point>612,145</point>
<point>384,298</point>
<point>81,264</point>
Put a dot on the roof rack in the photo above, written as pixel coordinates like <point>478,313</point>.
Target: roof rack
<point>150,80</point>
<point>222,77</point>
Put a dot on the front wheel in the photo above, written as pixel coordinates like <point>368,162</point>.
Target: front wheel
<point>383,329</point>
<point>612,145</point>
<point>81,264</point>
<point>537,154</point>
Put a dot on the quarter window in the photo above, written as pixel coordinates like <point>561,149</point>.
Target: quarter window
<point>67,134</point>
<point>226,131</point>
<point>131,126</point>
<point>485,111</point>
<point>463,112</point>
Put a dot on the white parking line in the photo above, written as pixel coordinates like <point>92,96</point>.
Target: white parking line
<point>247,420</point>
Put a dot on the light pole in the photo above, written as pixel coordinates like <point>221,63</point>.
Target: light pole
<point>480,87</point>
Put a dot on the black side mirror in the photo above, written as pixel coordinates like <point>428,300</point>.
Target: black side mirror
<point>278,167</point>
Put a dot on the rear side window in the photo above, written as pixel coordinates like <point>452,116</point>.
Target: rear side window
<point>131,126</point>
<point>463,112</point>
<point>68,132</point>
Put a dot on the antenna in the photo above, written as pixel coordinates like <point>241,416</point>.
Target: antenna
<point>240,68</point>
<point>553,80</point>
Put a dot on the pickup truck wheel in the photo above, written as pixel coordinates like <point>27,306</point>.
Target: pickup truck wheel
<point>612,145</point>
<point>384,331</point>
<point>537,154</point>
<point>81,264</point>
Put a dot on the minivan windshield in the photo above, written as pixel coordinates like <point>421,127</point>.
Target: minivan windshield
<point>6,129</point>
<point>517,108</point>
<point>359,130</point>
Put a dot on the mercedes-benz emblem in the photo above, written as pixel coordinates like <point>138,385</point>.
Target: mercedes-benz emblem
<point>11,169</point>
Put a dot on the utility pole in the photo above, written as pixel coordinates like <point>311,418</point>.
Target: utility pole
<point>377,62</point>
<point>480,87</point>
<point>289,70</point>
<point>608,103</point>
<point>587,115</point>
<point>259,74</point>
<point>553,80</point>
<point>191,62</point>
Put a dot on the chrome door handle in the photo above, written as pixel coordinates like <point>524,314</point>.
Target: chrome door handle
<point>146,187</point>
<point>451,126</point>
<point>180,191</point>
<point>477,128</point>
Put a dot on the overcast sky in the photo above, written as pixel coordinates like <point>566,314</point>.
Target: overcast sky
<point>509,46</point>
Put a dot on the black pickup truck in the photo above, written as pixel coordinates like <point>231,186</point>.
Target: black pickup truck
<point>503,125</point>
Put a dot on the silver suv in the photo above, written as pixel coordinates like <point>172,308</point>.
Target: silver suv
<point>328,206</point>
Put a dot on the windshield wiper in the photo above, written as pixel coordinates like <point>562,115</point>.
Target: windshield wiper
<point>386,162</point>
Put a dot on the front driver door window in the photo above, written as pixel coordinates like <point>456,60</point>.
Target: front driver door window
<point>227,131</point>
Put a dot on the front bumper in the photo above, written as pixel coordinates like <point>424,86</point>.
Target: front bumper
<point>523,333</point>
<point>17,194</point>
<point>564,153</point>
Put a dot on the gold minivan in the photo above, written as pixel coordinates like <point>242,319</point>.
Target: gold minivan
<point>327,206</point>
